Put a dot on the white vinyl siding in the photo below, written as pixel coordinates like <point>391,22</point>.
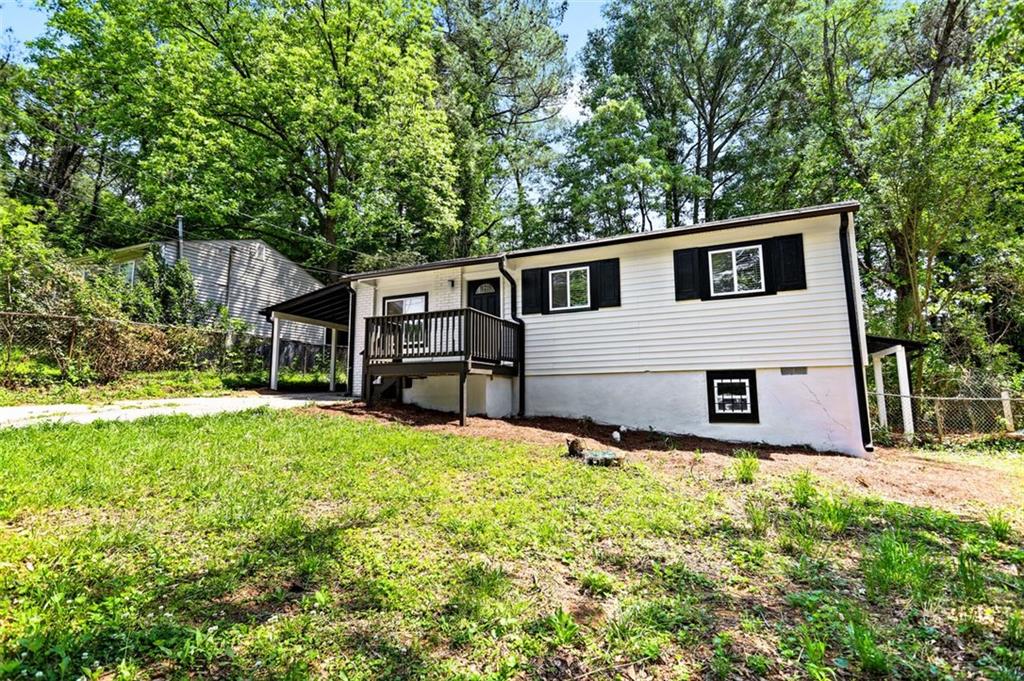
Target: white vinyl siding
<point>260,276</point>
<point>651,331</point>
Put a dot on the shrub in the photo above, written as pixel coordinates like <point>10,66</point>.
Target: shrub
<point>745,469</point>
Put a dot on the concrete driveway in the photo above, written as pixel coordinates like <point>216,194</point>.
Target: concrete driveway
<point>129,410</point>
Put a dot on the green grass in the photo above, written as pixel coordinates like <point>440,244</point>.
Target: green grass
<point>285,545</point>
<point>159,384</point>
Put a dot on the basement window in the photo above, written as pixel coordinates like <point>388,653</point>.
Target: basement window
<point>569,289</point>
<point>732,396</point>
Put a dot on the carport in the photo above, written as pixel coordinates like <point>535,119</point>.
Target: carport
<point>330,307</point>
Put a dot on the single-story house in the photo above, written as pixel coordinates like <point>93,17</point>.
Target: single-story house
<point>242,275</point>
<point>748,329</point>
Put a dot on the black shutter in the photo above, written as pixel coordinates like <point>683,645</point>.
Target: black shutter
<point>604,284</point>
<point>534,295</point>
<point>789,263</point>
<point>688,273</point>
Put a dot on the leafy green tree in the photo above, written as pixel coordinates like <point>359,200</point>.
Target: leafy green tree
<point>504,73</point>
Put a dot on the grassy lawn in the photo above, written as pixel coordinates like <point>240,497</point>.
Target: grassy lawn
<point>290,545</point>
<point>159,384</point>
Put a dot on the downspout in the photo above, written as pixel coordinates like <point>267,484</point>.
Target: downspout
<point>855,330</point>
<point>350,378</point>
<point>522,334</point>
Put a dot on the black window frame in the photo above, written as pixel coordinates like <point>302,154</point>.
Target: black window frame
<point>750,375</point>
<point>783,268</point>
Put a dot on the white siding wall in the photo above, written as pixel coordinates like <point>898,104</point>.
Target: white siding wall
<point>652,331</point>
<point>652,334</point>
<point>260,276</point>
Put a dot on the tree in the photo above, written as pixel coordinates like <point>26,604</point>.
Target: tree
<point>504,75</point>
<point>708,73</point>
<point>288,117</point>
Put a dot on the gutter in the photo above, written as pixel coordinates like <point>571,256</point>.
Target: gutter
<point>851,313</point>
<point>522,334</point>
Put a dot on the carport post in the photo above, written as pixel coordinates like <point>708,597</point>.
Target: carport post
<point>334,354</point>
<point>906,406</point>
<point>275,347</point>
<point>883,415</point>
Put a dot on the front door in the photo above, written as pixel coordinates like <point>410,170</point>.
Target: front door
<point>484,296</point>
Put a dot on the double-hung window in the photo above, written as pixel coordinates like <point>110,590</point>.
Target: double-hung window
<point>569,289</point>
<point>736,270</point>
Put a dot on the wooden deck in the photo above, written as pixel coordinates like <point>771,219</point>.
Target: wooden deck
<point>459,342</point>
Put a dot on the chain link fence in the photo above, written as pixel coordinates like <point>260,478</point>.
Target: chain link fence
<point>43,350</point>
<point>961,405</point>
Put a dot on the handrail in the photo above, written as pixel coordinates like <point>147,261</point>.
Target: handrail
<point>460,333</point>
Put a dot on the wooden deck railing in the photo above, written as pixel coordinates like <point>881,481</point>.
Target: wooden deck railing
<point>462,333</point>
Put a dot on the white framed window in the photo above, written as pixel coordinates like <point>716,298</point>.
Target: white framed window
<point>736,270</point>
<point>405,304</point>
<point>732,396</point>
<point>569,288</point>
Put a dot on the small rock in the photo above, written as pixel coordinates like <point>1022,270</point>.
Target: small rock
<point>616,436</point>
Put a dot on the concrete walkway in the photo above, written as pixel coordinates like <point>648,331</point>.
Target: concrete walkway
<point>129,410</point>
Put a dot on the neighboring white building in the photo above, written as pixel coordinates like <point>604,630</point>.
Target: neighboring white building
<point>244,275</point>
<point>749,329</point>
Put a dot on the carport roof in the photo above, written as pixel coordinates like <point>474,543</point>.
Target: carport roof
<point>328,306</point>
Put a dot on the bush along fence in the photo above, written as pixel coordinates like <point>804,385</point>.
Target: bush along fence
<point>38,350</point>
<point>941,417</point>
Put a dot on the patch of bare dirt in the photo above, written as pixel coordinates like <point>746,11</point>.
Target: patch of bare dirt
<point>893,474</point>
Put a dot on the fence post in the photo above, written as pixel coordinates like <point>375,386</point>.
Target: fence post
<point>883,413</point>
<point>906,405</point>
<point>939,425</point>
<point>1008,410</point>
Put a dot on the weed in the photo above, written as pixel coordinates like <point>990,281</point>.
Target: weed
<point>860,639</point>
<point>814,657</point>
<point>894,566</point>
<point>721,656</point>
<point>756,510</point>
<point>745,469</point>
<point>835,515</point>
<point>999,525</point>
<point>970,578</point>
<point>562,627</point>
<point>802,488</point>
<point>1013,635</point>
<point>597,584</point>
<point>758,664</point>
